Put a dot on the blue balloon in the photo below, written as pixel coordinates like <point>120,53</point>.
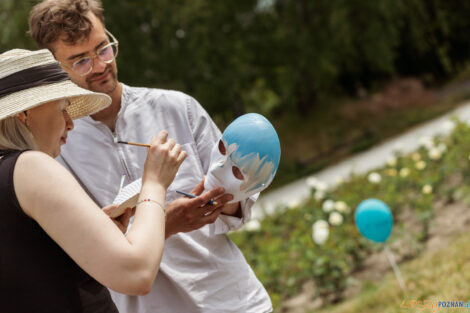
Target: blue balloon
<point>374,220</point>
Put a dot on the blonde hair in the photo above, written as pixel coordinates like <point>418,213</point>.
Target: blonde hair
<point>15,135</point>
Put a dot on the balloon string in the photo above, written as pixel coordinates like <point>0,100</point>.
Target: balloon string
<point>394,265</point>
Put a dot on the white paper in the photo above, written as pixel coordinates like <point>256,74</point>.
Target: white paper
<point>127,197</point>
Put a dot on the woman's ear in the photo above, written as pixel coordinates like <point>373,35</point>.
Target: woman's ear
<point>22,117</point>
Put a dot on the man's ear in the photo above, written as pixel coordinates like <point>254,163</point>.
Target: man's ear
<point>22,117</point>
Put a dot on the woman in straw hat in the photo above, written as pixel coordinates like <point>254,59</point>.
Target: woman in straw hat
<point>53,237</point>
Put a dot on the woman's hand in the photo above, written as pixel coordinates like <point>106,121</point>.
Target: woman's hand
<point>164,157</point>
<point>122,221</point>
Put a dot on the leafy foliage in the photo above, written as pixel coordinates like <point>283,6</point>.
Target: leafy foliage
<point>14,21</point>
<point>273,56</point>
<point>282,58</point>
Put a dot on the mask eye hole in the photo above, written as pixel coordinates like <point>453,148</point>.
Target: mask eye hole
<point>222,147</point>
<point>237,173</point>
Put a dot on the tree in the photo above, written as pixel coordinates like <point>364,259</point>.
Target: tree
<point>14,24</point>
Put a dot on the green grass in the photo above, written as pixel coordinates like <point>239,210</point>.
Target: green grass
<point>442,275</point>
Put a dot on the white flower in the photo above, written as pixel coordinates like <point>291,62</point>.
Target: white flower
<point>426,142</point>
<point>319,195</point>
<point>392,161</point>
<point>448,125</point>
<point>374,178</point>
<point>320,224</point>
<point>404,172</point>
<point>320,231</point>
<point>420,165</point>
<point>320,236</point>
<point>435,154</point>
<point>322,186</point>
<point>312,182</point>
<point>335,218</point>
<point>294,203</point>
<point>328,205</point>
<point>442,147</point>
<point>339,180</point>
<point>416,156</point>
<point>427,189</point>
<point>341,206</point>
<point>252,225</point>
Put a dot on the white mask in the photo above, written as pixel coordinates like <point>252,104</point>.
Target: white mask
<point>244,161</point>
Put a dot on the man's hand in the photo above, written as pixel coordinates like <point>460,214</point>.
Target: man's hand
<point>122,221</point>
<point>185,214</point>
<point>232,209</point>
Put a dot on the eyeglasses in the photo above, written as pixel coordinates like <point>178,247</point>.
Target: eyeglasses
<point>107,54</point>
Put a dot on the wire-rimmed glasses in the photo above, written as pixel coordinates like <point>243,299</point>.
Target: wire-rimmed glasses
<point>106,54</point>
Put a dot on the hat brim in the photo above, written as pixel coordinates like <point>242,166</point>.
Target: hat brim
<point>82,102</point>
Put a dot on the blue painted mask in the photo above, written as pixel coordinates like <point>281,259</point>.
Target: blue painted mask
<point>246,158</point>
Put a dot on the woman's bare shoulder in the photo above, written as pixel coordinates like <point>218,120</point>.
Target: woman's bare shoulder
<point>35,162</point>
<point>38,178</point>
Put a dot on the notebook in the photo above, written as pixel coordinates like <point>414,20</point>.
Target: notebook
<point>127,198</point>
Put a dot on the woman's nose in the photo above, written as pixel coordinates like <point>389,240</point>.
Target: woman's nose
<point>68,121</point>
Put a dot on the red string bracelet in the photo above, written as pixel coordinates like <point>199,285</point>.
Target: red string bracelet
<point>150,200</point>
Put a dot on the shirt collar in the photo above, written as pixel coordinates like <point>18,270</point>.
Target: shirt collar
<point>124,102</point>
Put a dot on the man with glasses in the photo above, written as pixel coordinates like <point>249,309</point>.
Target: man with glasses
<point>84,65</point>
<point>201,269</point>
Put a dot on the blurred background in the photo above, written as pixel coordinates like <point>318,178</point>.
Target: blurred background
<point>335,77</point>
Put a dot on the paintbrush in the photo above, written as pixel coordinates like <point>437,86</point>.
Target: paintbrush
<point>135,144</point>
<point>211,202</point>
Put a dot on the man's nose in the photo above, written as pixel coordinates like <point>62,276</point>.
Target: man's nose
<point>98,65</point>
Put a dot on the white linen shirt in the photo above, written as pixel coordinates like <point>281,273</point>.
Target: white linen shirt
<point>201,271</point>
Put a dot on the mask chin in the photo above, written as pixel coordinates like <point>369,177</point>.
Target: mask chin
<point>222,176</point>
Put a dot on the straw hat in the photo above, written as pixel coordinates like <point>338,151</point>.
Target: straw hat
<point>31,78</point>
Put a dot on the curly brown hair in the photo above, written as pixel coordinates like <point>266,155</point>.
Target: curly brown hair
<point>50,20</point>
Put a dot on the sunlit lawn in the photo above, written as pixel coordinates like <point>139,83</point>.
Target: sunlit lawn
<point>442,275</point>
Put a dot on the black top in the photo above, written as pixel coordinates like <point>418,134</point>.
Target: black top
<point>36,275</point>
